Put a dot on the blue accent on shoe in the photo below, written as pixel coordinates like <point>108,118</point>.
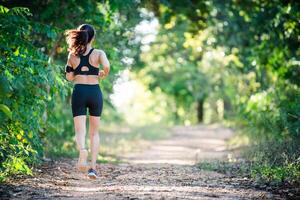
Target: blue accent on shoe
<point>92,173</point>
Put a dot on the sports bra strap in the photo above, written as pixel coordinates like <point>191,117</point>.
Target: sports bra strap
<point>89,53</point>
<point>84,61</point>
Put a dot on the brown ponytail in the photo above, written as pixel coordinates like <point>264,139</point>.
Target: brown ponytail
<point>77,41</point>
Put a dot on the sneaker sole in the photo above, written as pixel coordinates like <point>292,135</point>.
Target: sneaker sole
<point>92,176</point>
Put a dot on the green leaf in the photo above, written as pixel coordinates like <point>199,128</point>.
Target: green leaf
<point>3,9</point>
<point>6,111</point>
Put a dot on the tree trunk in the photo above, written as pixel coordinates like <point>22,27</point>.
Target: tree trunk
<point>175,111</point>
<point>227,107</point>
<point>200,110</point>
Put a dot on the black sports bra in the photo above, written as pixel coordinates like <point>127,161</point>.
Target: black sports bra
<point>84,62</point>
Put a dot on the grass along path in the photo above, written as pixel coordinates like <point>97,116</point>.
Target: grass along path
<point>165,170</point>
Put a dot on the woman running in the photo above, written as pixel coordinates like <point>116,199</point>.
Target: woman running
<point>83,69</point>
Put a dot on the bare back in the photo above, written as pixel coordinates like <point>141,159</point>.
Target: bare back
<point>94,60</point>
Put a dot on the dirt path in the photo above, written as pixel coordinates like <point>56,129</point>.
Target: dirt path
<point>187,146</point>
<point>164,171</point>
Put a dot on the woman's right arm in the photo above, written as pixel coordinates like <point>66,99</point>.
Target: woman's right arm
<point>69,69</point>
<point>105,63</point>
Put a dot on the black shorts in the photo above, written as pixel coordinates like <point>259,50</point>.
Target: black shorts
<point>87,96</point>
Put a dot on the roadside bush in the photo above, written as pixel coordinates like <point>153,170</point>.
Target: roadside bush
<point>28,84</point>
<point>275,161</point>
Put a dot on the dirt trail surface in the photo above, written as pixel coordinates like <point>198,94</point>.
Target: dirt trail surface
<point>187,146</point>
<point>166,170</point>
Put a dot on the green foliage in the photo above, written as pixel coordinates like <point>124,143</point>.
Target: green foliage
<point>262,174</point>
<point>275,161</point>
<point>273,114</point>
<point>225,167</point>
<point>25,93</point>
<point>6,111</point>
<point>244,54</point>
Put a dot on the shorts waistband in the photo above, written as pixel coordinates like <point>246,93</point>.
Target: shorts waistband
<point>87,86</point>
<point>79,84</point>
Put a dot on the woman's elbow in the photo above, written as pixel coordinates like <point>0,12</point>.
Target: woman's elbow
<point>106,68</point>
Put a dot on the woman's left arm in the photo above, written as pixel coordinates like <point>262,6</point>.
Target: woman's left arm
<point>69,69</point>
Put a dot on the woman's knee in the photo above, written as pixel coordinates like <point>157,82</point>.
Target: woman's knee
<point>79,130</point>
<point>79,124</point>
<point>94,134</point>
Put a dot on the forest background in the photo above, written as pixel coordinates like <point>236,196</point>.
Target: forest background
<point>172,62</point>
